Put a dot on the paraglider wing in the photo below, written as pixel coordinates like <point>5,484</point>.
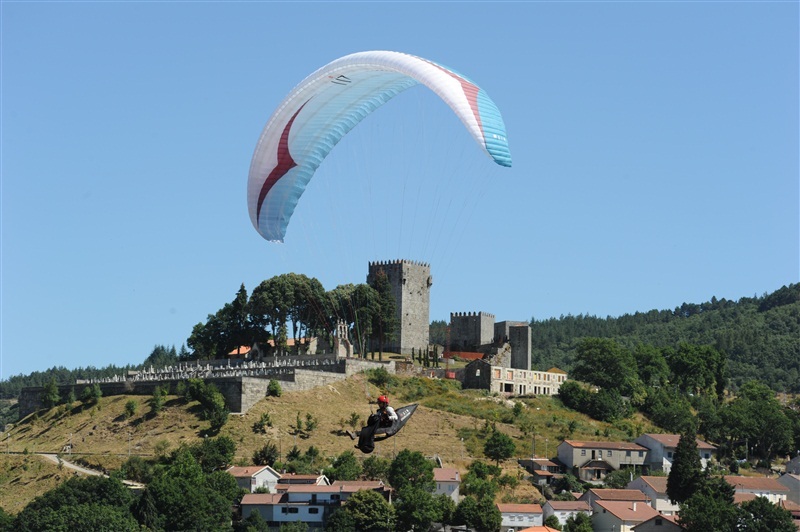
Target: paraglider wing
<point>319,111</point>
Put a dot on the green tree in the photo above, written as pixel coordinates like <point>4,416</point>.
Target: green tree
<point>411,468</point>
<point>81,504</point>
<point>161,357</point>
<point>131,407</point>
<point>274,388</point>
<point>416,509</point>
<point>710,507</point>
<point>345,467</point>
<point>340,521</point>
<point>370,511</point>
<point>619,367</point>
<point>384,323</point>
<point>213,454</point>
<point>267,455</point>
<point>157,401</point>
<point>580,523</point>
<point>620,478</point>
<point>182,498</point>
<point>479,515</point>
<point>553,522</point>
<point>760,515</point>
<point>499,447</point>
<point>50,396</point>
<point>376,468</point>
<point>685,475</point>
<point>297,526</point>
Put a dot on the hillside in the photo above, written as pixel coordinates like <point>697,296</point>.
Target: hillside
<point>759,335</point>
<point>101,436</point>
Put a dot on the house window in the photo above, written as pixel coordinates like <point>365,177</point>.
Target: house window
<point>477,373</point>
<point>608,453</point>
<point>641,454</point>
<point>669,454</point>
<point>313,510</point>
<point>706,455</point>
<point>284,510</point>
<point>335,497</point>
<point>659,522</point>
<point>583,452</point>
<point>293,510</point>
<point>627,453</point>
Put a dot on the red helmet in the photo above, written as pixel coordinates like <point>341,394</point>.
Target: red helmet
<point>383,400</point>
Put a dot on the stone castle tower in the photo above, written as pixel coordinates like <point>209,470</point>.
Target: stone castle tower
<point>411,287</point>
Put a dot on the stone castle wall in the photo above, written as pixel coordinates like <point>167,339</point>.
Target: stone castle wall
<point>239,384</point>
<point>411,287</point>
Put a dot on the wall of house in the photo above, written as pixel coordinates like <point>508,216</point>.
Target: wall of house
<point>411,287</point>
<point>477,375</point>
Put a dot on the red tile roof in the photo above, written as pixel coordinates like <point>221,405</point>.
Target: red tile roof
<point>756,483</point>
<point>629,510</point>
<point>619,445</point>
<point>570,506</point>
<point>446,474</point>
<point>671,440</point>
<point>262,498</point>
<point>618,495</point>
<point>248,471</point>
<point>519,508</point>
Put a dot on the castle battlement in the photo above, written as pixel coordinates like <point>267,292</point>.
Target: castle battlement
<point>471,314</point>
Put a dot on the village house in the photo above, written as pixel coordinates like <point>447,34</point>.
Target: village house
<point>543,470</point>
<point>655,488</point>
<point>251,478</point>
<point>662,450</point>
<point>563,510</point>
<point>620,516</point>
<point>769,488</point>
<point>592,461</point>
<point>310,503</point>
<point>516,517</point>
<point>447,481</point>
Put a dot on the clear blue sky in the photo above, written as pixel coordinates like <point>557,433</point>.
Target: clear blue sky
<point>655,149</point>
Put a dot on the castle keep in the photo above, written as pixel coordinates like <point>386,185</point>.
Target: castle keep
<point>411,287</point>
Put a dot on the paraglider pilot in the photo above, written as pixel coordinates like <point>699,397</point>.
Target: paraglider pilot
<point>384,417</point>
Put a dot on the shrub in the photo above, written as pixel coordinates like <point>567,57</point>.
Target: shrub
<point>274,388</point>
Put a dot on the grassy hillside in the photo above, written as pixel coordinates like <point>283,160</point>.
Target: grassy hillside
<point>449,423</point>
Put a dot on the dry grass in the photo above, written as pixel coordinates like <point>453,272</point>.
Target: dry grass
<point>102,436</point>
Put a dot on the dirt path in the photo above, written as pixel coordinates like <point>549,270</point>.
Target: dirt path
<point>86,471</point>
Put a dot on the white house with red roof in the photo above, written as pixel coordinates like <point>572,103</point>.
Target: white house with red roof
<point>620,516</point>
<point>448,481</point>
<point>251,478</point>
<point>309,503</point>
<point>655,488</point>
<point>769,488</point>
<point>519,516</point>
<point>563,510</point>
<point>662,450</point>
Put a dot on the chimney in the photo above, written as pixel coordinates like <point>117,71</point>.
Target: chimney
<point>633,506</point>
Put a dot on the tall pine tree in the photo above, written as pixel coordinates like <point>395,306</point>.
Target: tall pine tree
<point>686,473</point>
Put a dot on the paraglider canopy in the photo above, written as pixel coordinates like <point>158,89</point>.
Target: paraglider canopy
<point>326,105</point>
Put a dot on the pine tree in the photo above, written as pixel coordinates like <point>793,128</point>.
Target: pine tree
<point>686,473</point>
